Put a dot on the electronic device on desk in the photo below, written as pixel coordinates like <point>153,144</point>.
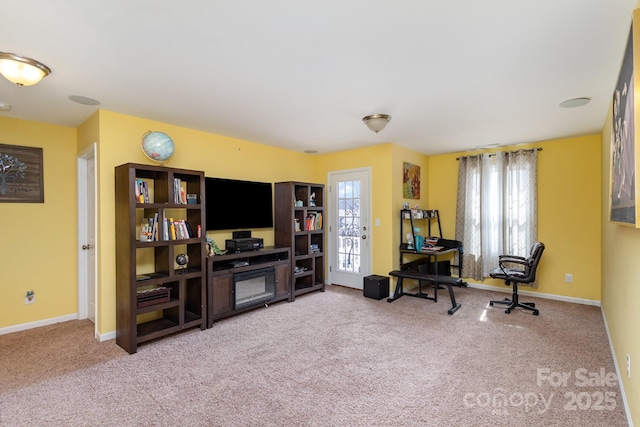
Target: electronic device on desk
<point>244,244</point>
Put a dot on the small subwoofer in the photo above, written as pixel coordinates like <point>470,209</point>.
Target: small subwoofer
<point>376,287</point>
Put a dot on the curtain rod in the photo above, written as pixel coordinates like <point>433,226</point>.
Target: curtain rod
<point>493,154</point>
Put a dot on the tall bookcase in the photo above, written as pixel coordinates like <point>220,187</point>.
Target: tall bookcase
<point>299,224</point>
<point>155,295</point>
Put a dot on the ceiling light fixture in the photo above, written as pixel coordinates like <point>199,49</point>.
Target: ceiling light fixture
<point>575,102</point>
<point>376,122</point>
<point>21,70</point>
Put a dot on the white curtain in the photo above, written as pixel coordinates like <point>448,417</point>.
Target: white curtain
<point>520,196</point>
<point>496,209</point>
<point>492,214</point>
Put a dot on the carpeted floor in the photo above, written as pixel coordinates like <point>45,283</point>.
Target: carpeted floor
<point>327,359</point>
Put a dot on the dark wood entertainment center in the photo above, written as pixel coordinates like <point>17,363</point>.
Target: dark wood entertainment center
<point>221,270</point>
<point>165,282</point>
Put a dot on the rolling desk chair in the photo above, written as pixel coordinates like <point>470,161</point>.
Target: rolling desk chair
<point>524,273</point>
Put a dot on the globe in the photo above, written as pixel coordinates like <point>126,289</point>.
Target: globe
<point>182,260</point>
<point>157,146</point>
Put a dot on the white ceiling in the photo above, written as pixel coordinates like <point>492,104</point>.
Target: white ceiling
<point>453,74</point>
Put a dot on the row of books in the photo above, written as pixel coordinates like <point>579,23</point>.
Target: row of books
<point>172,230</point>
<point>314,221</point>
<point>179,193</point>
<point>142,191</point>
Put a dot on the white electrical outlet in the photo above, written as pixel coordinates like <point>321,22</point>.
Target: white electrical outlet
<point>628,366</point>
<point>568,278</point>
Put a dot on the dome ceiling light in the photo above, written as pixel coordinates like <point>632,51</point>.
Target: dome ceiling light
<point>21,70</point>
<point>376,122</point>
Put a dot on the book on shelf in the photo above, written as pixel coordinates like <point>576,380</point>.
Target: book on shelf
<point>154,228</point>
<point>141,191</point>
<point>178,229</point>
<point>149,229</point>
<point>165,229</point>
<point>189,229</point>
<point>179,192</point>
<point>172,229</point>
<point>313,221</point>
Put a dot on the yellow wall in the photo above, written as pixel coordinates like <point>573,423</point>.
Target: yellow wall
<point>39,246</point>
<point>568,212</point>
<point>573,215</point>
<point>620,283</point>
<point>385,161</point>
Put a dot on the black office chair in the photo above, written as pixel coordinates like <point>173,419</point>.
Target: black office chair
<point>525,272</point>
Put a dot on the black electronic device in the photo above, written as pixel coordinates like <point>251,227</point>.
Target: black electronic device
<point>234,204</point>
<point>246,244</point>
<point>244,234</point>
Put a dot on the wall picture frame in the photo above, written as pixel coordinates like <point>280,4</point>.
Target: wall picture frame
<point>21,174</point>
<point>410,181</point>
<point>625,155</point>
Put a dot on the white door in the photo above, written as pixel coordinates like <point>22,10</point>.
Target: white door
<point>87,280</point>
<point>349,227</point>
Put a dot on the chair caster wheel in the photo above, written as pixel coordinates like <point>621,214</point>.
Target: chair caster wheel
<point>536,312</point>
<point>507,311</point>
<point>491,303</point>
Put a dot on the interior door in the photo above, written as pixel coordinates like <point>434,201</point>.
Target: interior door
<point>87,258</point>
<point>91,240</point>
<point>349,227</point>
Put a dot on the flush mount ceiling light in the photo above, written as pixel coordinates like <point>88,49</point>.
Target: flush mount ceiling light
<point>575,102</point>
<point>21,70</point>
<point>376,122</point>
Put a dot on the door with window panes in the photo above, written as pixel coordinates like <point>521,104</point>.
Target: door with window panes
<point>349,232</point>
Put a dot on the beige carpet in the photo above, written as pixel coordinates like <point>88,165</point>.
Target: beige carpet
<point>327,359</point>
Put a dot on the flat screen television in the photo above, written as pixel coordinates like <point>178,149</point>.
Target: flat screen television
<point>234,204</point>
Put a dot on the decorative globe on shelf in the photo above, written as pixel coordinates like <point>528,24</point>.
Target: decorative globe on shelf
<point>182,260</point>
<point>157,146</point>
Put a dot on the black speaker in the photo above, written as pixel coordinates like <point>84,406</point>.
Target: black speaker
<point>244,234</point>
<point>376,287</point>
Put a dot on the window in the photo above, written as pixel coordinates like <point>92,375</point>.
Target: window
<point>496,208</point>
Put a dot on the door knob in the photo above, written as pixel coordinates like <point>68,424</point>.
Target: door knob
<point>364,237</point>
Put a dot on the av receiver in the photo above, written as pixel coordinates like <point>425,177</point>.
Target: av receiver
<point>244,244</point>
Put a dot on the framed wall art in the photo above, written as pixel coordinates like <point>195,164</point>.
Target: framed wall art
<point>624,153</point>
<point>21,176</point>
<point>411,181</point>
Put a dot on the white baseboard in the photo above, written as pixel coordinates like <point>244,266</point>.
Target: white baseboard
<point>25,326</point>
<point>537,294</point>
<point>37,324</point>
<point>107,336</point>
<point>618,372</point>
